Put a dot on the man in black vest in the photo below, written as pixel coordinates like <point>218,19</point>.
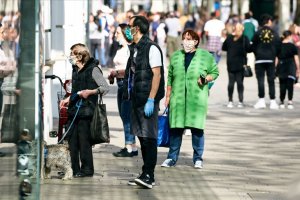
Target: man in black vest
<point>144,83</point>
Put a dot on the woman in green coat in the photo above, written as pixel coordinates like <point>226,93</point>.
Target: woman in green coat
<point>189,73</point>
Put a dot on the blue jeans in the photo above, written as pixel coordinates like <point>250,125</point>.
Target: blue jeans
<point>217,56</point>
<point>176,140</point>
<point>124,107</point>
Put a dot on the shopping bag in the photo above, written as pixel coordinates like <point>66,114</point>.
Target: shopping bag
<point>163,137</point>
<point>99,124</point>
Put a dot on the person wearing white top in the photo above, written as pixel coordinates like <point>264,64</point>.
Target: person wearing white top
<point>213,29</point>
<point>124,106</point>
<point>95,37</point>
<point>174,30</point>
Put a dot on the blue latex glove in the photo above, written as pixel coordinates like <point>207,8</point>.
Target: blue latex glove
<point>149,107</point>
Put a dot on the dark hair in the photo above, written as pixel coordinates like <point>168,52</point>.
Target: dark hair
<point>123,27</point>
<point>97,22</point>
<point>265,19</point>
<point>286,34</point>
<point>141,22</point>
<point>247,15</point>
<point>213,14</point>
<point>193,34</point>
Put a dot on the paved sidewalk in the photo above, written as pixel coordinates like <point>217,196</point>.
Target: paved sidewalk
<point>249,155</point>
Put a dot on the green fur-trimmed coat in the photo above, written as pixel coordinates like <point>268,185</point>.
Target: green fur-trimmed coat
<point>188,100</point>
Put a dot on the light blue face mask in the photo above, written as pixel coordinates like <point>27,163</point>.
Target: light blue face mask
<point>128,34</point>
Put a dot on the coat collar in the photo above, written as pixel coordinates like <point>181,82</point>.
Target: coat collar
<point>143,41</point>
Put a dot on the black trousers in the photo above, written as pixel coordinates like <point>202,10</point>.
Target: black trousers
<point>261,69</point>
<point>149,154</point>
<point>286,84</point>
<point>237,77</point>
<point>80,147</point>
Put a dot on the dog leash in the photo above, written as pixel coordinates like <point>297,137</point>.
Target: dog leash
<point>78,105</point>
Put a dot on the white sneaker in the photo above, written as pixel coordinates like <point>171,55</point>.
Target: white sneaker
<point>230,104</point>
<point>282,106</point>
<point>240,105</point>
<point>168,163</point>
<point>273,105</point>
<point>260,104</point>
<point>187,132</point>
<point>198,164</point>
<point>290,106</point>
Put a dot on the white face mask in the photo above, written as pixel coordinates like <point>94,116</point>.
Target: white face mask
<point>122,41</point>
<point>188,45</point>
<point>72,60</point>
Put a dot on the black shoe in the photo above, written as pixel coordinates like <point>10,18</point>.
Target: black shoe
<point>125,153</point>
<point>81,175</point>
<point>132,182</point>
<point>144,180</point>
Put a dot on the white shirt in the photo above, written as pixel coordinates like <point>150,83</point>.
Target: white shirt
<point>161,34</point>
<point>214,27</point>
<point>154,57</point>
<point>121,58</point>
<point>94,33</point>
<point>174,26</point>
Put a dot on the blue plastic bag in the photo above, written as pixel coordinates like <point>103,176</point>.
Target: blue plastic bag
<point>163,137</point>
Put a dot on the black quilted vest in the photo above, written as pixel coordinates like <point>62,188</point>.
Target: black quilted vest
<point>143,74</point>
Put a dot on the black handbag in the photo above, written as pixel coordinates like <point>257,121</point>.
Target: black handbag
<point>247,68</point>
<point>247,71</point>
<point>99,124</point>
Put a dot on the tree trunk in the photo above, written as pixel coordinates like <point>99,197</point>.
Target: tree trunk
<point>297,15</point>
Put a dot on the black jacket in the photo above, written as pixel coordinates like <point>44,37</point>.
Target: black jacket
<point>143,74</point>
<point>236,52</point>
<point>265,44</point>
<point>82,80</point>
